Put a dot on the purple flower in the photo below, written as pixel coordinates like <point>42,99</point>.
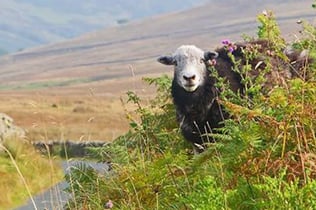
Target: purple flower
<point>231,49</point>
<point>226,41</point>
<point>229,45</point>
<point>109,205</point>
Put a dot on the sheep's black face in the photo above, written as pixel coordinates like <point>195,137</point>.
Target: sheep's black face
<point>189,65</point>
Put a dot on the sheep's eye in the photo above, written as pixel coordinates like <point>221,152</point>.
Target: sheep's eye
<point>202,60</point>
<point>175,63</point>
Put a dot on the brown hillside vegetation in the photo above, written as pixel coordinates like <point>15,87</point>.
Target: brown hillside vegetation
<point>72,89</point>
<point>66,118</point>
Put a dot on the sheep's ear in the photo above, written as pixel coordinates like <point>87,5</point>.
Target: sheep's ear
<point>167,60</point>
<point>209,55</point>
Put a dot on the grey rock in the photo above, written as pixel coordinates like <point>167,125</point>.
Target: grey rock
<point>8,129</point>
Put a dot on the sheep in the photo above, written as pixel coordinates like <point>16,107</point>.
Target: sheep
<point>194,91</point>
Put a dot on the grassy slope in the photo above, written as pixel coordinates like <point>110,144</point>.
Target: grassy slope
<point>105,64</point>
<point>106,54</point>
<point>39,173</point>
<point>67,118</point>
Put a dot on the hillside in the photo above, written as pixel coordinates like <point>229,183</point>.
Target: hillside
<point>29,23</point>
<point>119,53</point>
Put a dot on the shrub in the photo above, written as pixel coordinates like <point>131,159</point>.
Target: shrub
<point>264,157</point>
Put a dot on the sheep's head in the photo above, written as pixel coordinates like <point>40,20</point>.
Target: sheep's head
<point>190,68</point>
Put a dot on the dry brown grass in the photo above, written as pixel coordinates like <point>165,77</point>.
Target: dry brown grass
<point>98,67</point>
<point>93,111</point>
<point>66,117</point>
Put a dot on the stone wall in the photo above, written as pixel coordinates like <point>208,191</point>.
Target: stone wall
<point>68,148</point>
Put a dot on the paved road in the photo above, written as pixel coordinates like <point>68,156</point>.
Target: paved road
<point>55,198</point>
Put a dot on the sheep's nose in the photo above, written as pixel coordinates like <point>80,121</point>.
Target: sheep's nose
<point>189,78</point>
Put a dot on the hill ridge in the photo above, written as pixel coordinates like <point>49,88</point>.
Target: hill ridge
<point>110,52</point>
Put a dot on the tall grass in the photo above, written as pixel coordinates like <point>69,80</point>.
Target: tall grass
<point>24,173</point>
<point>263,159</point>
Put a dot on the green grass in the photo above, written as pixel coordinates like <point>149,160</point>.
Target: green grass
<point>263,159</point>
<point>24,172</point>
